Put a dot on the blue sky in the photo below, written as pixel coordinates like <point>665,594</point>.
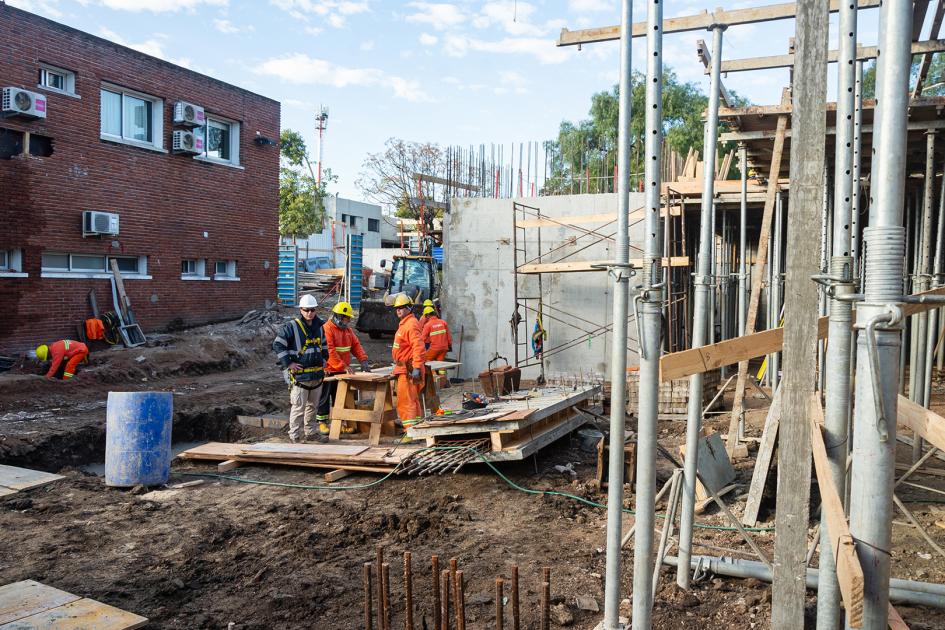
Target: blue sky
<point>462,72</point>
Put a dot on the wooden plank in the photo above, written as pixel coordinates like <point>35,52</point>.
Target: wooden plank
<point>923,422</point>
<point>767,134</point>
<point>698,22</point>
<point>687,362</point>
<point>759,477</point>
<point>517,452</point>
<point>350,450</point>
<point>337,474</point>
<point>895,621</point>
<point>758,275</point>
<point>16,478</point>
<point>26,598</point>
<point>81,614</point>
<point>588,265</point>
<point>842,548</point>
<point>787,61</point>
<point>604,218</point>
<point>228,465</point>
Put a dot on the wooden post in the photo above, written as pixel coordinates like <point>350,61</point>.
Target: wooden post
<point>738,403</point>
<point>808,121</point>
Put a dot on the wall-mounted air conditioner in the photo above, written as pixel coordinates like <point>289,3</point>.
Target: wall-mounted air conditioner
<point>186,142</point>
<point>95,223</point>
<point>189,114</point>
<point>17,102</point>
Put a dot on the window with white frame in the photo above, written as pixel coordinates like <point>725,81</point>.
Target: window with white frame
<point>225,270</point>
<point>11,261</point>
<point>193,269</point>
<point>131,117</point>
<point>221,140</point>
<point>56,79</point>
<point>55,262</point>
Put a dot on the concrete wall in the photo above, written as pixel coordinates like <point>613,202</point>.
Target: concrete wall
<point>478,282</point>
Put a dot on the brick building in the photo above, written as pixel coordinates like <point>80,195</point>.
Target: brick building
<point>197,232</point>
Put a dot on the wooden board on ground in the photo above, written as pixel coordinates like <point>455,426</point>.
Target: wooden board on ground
<point>537,441</point>
<point>759,477</point>
<point>349,450</point>
<point>358,457</point>
<point>30,605</point>
<point>14,479</point>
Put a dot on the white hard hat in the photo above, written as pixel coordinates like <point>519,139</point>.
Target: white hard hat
<point>308,301</point>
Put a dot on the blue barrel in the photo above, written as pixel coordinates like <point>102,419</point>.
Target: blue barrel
<point>138,438</point>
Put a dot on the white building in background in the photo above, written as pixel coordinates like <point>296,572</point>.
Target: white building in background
<point>345,216</point>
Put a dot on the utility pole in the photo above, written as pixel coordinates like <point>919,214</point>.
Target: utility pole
<point>321,123</point>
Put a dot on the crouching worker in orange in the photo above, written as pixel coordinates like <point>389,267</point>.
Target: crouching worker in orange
<point>438,341</point>
<point>408,357</point>
<point>66,355</point>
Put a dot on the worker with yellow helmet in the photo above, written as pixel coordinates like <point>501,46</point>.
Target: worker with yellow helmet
<point>408,354</point>
<point>65,355</point>
<point>342,344</point>
<point>427,305</point>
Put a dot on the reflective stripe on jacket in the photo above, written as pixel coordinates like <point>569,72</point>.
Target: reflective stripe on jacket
<point>64,351</point>
<point>436,334</point>
<point>298,342</point>
<point>407,350</point>
<point>342,343</point>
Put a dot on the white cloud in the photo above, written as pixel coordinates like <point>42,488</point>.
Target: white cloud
<point>48,8</point>
<point>156,6</point>
<point>439,15</point>
<point>511,81</point>
<point>428,40</point>
<point>314,30</point>
<point>227,27</point>
<point>153,47</point>
<point>515,18</point>
<point>304,70</point>
<point>591,6</point>
<point>334,12</point>
<point>544,50</point>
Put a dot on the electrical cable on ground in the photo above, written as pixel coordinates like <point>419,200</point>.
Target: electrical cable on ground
<point>480,456</point>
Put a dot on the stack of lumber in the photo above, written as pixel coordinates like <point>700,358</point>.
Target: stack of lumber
<point>359,457</point>
<point>322,280</point>
<point>517,427</point>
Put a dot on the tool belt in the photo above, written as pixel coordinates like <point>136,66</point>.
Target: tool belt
<point>315,375</point>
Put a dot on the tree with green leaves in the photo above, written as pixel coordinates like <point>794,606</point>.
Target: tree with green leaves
<point>301,196</point>
<point>585,153</point>
<point>933,85</point>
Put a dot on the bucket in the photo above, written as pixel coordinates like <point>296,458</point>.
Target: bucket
<point>590,438</point>
<point>138,438</point>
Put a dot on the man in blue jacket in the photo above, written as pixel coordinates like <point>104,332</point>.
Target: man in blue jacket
<point>301,351</point>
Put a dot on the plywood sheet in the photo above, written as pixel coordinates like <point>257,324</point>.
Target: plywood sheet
<point>82,614</point>
<point>22,599</point>
<point>17,478</point>
<point>349,450</point>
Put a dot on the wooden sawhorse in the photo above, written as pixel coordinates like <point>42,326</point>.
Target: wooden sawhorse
<point>374,421</point>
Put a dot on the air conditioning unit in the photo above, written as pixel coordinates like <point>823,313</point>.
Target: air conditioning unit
<point>17,102</point>
<point>95,223</point>
<point>189,114</point>
<point>186,142</point>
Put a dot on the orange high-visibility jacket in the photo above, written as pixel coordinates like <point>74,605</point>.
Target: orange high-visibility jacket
<point>66,350</point>
<point>342,343</point>
<point>436,334</point>
<point>408,346</point>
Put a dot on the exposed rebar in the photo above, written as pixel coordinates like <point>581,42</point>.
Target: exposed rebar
<point>368,595</point>
<point>408,592</point>
<point>499,611</point>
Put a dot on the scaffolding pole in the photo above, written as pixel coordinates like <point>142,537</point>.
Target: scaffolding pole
<point>618,362</point>
<point>879,318</point>
<point>649,320</point>
<point>703,285</point>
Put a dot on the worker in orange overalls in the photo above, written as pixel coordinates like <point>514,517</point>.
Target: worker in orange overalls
<point>438,341</point>
<point>423,317</point>
<point>408,357</point>
<point>71,352</point>
<point>342,343</point>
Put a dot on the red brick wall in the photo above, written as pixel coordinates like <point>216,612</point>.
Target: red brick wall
<point>165,202</point>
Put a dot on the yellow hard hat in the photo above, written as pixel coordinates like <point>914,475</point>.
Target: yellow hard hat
<point>343,308</point>
<point>428,303</point>
<point>42,352</point>
<point>402,299</point>
<point>428,310</point>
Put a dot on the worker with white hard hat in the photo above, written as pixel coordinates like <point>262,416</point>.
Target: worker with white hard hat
<point>301,351</point>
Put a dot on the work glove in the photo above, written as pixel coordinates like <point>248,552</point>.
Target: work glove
<point>450,349</point>
<point>415,375</point>
<point>365,366</point>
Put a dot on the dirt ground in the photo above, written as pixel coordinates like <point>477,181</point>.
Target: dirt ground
<point>270,556</point>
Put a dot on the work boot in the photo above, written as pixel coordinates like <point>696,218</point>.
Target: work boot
<point>315,437</point>
<point>347,428</point>
<point>323,426</point>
